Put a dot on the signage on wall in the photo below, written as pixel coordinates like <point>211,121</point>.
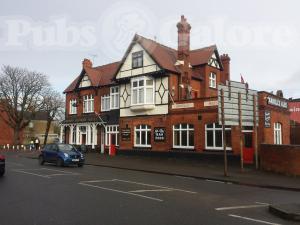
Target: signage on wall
<point>159,134</point>
<point>125,134</point>
<point>267,119</point>
<point>294,108</point>
<point>183,105</point>
<point>210,103</point>
<point>277,102</point>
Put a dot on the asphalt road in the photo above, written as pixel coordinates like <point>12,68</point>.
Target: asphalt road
<point>31,194</point>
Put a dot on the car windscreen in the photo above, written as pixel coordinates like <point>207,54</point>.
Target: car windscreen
<point>66,148</point>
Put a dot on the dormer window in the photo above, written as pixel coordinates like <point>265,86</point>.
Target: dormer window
<point>85,82</point>
<point>213,80</point>
<point>137,59</point>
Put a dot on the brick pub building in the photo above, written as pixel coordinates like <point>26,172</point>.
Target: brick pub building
<point>162,99</point>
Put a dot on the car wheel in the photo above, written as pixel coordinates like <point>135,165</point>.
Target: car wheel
<point>60,162</point>
<point>80,165</point>
<point>41,160</point>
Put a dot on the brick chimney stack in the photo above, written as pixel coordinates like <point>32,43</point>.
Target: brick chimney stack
<point>86,63</point>
<point>225,74</point>
<point>184,29</point>
<point>183,57</point>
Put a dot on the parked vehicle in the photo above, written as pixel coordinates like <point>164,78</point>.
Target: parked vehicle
<point>2,165</point>
<point>61,154</point>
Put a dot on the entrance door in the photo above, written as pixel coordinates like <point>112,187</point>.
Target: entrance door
<point>83,139</point>
<point>248,150</point>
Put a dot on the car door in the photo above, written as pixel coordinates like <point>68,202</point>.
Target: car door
<point>47,153</point>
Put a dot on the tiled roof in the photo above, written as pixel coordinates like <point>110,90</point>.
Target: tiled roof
<point>165,56</point>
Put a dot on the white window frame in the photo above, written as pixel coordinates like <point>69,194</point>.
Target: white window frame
<point>88,104</point>
<point>114,97</point>
<point>105,103</point>
<point>142,89</point>
<point>181,129</point>
<point>73,109</point>
<point>139,129</point>
<point>212,80</point>
<point>214,129</point>
<point>277,133</point>
<point>111,129</point>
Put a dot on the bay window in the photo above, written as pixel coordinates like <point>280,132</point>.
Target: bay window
<point>73,106</point>
<point>183,136</point>
<point>142,136</point>
<point>114,97</point>
<point>142,91</point>
<point>277,134</point>
<point>88,104</point>
<point>105,103</point>
<point>214,136</point>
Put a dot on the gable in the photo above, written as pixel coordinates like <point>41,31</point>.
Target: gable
<point>127,70</point>
<point>85,81</point>
<point>214,61</point>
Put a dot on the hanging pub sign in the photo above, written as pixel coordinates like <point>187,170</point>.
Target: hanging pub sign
<point>267,119</point>
<point>125,134</point>
<point>277,102</point>
<point>159,134</point>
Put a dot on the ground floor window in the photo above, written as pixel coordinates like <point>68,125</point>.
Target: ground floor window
<point>277,134</point>
<point>112,135</point>
<point>142,136</point>
<point>214,136</point>
<point>73,140</point>
<point>183,136</point>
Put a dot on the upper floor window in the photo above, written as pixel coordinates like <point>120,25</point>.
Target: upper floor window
<point>114,97</point>
<point>142,89</point>
<point>212,80</point>
<point>137,59</point>
<point>88,103</point>
<point>73,106</point>
<point>85,82</point>
<point>183,136</point>
<point>105,104</point>
<point>277,134</point>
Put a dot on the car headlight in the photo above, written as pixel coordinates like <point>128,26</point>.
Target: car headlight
<point>66,155</point>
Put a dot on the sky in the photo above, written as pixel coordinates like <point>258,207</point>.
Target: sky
<point>54,36</point>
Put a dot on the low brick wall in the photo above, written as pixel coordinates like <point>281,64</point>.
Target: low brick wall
<point>283,159</point>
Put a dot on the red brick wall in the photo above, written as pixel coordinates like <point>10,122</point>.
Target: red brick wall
<point>6,134</point>
<point>281,158</point>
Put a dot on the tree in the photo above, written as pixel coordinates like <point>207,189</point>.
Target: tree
<point>53,105</point>
<point>20,93</point>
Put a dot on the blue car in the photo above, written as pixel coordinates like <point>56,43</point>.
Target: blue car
<point>61,154</point>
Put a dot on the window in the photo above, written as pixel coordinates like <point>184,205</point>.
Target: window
<point>214,136</point>
<point>277,134</point>
<point>114,97</point>
<point>74,133</point>
<point>212,80</point>
<point>183,136</point>
<point>88,103</point>
<point>112,135</point>
<point>142,91</point>
<point>85,82</point>
<point>142,136</point>
<point>73,106</point>
<point>137,59</point>
<point>105,103</point>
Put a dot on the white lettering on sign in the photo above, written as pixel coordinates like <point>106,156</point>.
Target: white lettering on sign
<point>295,109</point>
<point>277,102</point>
<point>210,103</point>
<point>183,105</point>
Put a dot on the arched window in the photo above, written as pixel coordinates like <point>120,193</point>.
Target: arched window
<point>277,134</point>
<point>142,136</point>
<point>183,136</point>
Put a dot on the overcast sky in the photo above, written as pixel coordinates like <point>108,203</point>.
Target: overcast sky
<point>53,37</point>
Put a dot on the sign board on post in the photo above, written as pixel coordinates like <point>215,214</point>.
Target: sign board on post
<point>231,104</point>
<point>125,134</point>
<point>267,119</point>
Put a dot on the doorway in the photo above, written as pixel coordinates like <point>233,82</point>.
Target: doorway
<point>248,147</point>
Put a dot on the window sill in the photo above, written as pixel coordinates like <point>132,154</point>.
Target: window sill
<point>142,107</point>
<point>217,149</point>
<point>88,112</point>
<point>184,147</point>
<point>142,146</point>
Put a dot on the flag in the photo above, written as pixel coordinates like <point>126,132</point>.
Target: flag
<point>242,79</point>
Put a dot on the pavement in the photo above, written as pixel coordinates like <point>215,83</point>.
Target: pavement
<point>207,168</point>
